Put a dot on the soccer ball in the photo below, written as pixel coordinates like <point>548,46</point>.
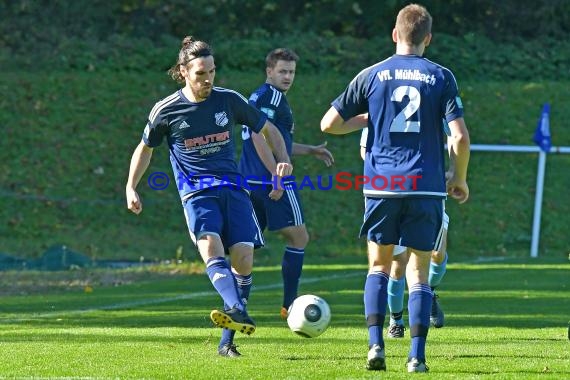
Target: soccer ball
<point>309,316</point>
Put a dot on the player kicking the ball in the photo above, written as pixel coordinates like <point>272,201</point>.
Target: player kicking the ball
<point>197,121</point>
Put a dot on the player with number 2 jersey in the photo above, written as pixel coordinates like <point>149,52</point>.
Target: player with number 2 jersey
<point>408,94</point>
<point>401,101</point>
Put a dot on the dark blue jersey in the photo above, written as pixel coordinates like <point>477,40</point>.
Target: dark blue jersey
<point>200,137</point>
<point>406,97</point>
<point>273,103</point>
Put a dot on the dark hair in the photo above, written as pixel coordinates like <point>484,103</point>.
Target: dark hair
<point>413,24</point>
<point>280,54</point>
<point>191,49</point>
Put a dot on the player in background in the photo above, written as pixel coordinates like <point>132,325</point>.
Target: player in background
<point>197,122</point>
<point>402,100</point>
<point>279,210</point>
<point>397,281</point>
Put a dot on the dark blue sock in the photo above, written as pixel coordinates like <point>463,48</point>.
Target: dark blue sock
<point>291,267</point>
<point>244,287</point>
<point>223,280</point>
<point>396,288</point>
<point>419,306</point>
<point>375,299</point>
<point>436,272</point>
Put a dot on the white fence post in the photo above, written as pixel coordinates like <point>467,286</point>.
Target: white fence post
<point>538,204</point>
<point>539,180</point>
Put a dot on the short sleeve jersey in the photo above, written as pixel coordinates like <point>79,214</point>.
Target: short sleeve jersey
<point>200,137</point>
<point>406,98</point>
<point>273,103</point>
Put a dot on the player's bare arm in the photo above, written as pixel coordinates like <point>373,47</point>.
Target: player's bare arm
<point>320,152</point>
<point>266,155</point>
<point>277,144</point>
<point>139,163</point>
<point>334,124</point>
<point>459,152</point>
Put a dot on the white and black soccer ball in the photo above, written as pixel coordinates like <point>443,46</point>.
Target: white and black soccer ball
<point>309,316</point>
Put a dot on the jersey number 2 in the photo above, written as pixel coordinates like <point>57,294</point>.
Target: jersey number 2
<point>401,122</point>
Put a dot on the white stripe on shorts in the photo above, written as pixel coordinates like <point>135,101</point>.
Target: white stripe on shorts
<point>259,232</point>
<point>295,207</point>
<point>444,226</point>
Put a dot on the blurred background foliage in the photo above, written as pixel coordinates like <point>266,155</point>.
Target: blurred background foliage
<point>484,38</point>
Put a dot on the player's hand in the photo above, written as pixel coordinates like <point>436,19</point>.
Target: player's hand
<point>283,169</point>
<point>457,189</point>
<point>276,194</point>
<point>278,189</point>
<point>323,154</point>
<point>133,201</point>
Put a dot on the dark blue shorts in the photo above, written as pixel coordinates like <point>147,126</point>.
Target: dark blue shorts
<point>225,212</point>
<point>275,215</point>
<point>411,222</point>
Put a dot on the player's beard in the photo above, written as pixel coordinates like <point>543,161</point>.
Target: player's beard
<point>201,92</point>
<point>205,92</point>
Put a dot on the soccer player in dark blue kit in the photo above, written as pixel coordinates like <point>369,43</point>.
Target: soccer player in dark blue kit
<point>197,122</point>
<point>397,282</point>
<point>279,210</point>
<point>402,100</point>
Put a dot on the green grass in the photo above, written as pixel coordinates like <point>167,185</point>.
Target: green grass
<point>68,138</point>
<point>503,320</point>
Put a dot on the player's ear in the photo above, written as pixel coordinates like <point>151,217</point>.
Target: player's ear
<point>395,35</point>
<point>183,70</point>
<point>427,40</point>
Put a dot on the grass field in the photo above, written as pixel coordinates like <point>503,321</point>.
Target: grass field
<point>503,320</point>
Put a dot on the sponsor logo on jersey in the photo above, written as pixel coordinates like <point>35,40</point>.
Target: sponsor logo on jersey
<point>201,141</point>
<point>269,112</point>
<point>221,119</point>
<point>459,102</point>
<point>184,125</point>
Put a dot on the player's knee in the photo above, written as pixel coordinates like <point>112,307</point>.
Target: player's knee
<point>398,270</point>
<point>241,257</point>
<point>304,237</point>
<point>297,237</point>
<point>438,256</point>
<point>399,265</point>
<point>243,265</point>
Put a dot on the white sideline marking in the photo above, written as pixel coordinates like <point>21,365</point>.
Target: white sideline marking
<point>156,301</point>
